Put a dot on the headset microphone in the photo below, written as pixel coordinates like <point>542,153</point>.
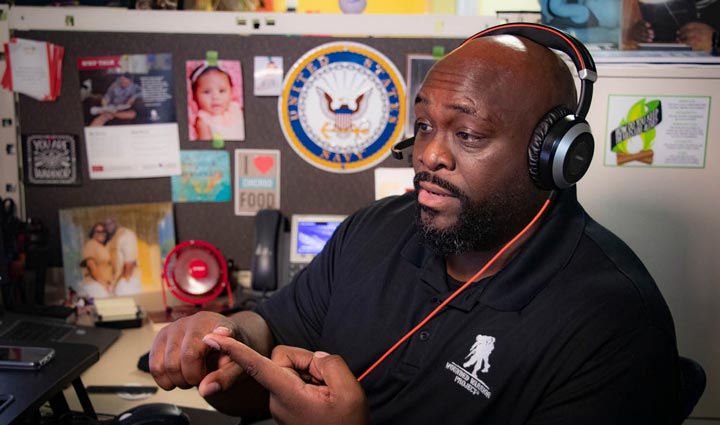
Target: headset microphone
<point>398,148</point>
<point>562,144</point>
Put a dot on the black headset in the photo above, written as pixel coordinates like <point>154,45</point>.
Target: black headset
<point>562,145</point>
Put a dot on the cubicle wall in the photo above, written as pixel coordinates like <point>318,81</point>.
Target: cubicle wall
<point>667,215</point>
<point>305,189</point>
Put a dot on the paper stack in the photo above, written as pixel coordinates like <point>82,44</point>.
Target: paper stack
<point>119,312</point>
<point>34,68</point>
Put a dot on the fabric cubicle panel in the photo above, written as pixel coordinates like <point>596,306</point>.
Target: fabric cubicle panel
<point>305,189</point>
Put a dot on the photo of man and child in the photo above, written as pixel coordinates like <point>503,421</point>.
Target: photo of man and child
<point>118,249</point>
<point>215,100</point>
<point>126,89</point>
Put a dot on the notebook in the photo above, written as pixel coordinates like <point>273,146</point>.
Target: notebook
<point>17,328</point>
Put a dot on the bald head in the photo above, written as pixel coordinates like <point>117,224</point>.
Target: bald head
<point>517,76</point>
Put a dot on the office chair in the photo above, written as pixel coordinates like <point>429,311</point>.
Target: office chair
<point>692,386</point>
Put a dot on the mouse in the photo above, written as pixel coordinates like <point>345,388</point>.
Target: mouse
<point>153,413</point>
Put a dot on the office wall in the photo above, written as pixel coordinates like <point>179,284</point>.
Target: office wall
<point>669,216</point>
<point>305,189</point>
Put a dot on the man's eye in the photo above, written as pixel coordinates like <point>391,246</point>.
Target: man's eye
<point>467,137</point>
<point>422,127</point>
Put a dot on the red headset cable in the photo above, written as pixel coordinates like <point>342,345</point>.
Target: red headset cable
<point>457,291</point>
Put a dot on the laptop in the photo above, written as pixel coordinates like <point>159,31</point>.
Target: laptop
<point>17,328</point>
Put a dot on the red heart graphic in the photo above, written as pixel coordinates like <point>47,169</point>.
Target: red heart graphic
<point>263,163</point>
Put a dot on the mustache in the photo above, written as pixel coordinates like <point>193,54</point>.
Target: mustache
<point>425,176</point>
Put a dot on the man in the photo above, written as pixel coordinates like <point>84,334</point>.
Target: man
<point>568,326</point>
<point>123,245</point>
<point>118,101</point>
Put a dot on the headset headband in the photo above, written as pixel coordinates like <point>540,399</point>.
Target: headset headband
<point>551,38</point>
<point>554,39</point>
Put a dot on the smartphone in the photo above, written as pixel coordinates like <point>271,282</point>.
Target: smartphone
<point>18,357</point>
<point>5,400</point>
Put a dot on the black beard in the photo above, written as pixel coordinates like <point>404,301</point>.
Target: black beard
<point>482,226</point>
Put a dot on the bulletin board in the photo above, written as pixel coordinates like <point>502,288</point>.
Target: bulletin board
<point>304,188</point>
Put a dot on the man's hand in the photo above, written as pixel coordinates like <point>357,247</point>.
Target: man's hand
<point>697,35</point>
<point>642,32</point>
<point>178,357</point>
<point>305,387</point>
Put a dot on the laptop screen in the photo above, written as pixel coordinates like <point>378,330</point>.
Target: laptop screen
<point>309,233</point>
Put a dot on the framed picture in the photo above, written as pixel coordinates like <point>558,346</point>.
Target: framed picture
<point>115,250</point>
<point>418,66</point>
<point>51,159</point>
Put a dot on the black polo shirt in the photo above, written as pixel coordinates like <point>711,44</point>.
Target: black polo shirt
<point>572,331</point>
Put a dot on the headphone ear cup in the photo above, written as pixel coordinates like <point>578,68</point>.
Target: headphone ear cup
<point>540,149</point>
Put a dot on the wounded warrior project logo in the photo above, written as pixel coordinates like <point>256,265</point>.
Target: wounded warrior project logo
<point>477,361</point>
<point>342,107</point>
<point>633,139</point>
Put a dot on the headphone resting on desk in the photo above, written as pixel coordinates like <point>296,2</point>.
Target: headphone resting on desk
<point>562,145</point>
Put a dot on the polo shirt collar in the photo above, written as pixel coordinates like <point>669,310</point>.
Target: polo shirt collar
<point>542,256</point>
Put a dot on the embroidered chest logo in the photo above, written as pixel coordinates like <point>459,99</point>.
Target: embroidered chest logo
<point>342,107</point>
<point>477,362</point>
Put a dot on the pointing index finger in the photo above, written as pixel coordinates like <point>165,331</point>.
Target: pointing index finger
<point>274,378</point>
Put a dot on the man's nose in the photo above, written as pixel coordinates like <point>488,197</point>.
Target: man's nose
<point>437,153</point>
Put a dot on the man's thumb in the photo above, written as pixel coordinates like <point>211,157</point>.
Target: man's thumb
<point>332,370</point>
<point>219,380</point>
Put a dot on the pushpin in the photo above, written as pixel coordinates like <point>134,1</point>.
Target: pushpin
<point>211,57</point>
<point>218,142</point>
<point>438,52</point>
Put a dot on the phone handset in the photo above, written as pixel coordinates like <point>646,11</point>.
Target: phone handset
<point>268,249</point>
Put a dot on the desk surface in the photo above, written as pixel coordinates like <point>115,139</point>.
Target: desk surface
<point>118,366</point>
<point>33,388</point>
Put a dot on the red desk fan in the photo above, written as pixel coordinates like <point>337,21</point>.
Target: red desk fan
<point>195,272</point>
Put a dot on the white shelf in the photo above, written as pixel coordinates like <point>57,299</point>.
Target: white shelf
<point>103,19</point>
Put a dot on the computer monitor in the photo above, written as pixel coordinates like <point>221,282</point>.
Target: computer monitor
<point>309,233</point>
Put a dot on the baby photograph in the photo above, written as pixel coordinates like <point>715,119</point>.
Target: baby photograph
<point>215,100</point>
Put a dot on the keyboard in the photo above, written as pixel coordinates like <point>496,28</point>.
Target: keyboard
<point>55,311</point>
<point>26,330</point>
